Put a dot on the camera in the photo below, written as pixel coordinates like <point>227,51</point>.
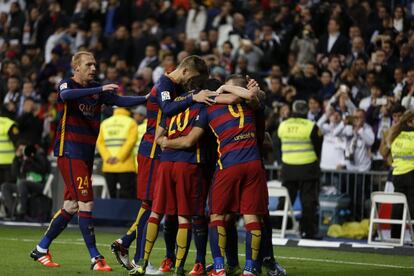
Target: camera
<point>29,151</point>
<point>349,120</point>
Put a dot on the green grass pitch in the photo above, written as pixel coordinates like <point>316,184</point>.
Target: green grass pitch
<point>69,250</point>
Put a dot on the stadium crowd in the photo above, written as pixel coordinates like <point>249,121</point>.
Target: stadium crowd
<point>351,60</point>
<point>343,66</point>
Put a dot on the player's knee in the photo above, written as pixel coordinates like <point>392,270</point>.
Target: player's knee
<point>71,206</point>
<point>85,206</point>
<point>183,219</point>
<point>250,218</point>
<point>214,217</point>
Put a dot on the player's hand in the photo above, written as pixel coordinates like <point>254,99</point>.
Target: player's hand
<point>112,160</point>
<point>110,87</point>
<point>252,84</point>
<point>204,96</point>
<point>147,96</point>
<point>164,141</point>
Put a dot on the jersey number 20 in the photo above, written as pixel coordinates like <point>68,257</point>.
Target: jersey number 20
<point>176,120</point>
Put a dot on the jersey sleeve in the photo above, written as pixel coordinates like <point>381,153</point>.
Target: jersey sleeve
<point>201,120</point>
<point>163,122</point>
<point>166,102</point>
<point>65,92</point>
<point>110,98</point>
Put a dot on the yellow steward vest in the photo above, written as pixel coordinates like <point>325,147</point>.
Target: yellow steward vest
<point>402,151</point>
<point>7,151</point>
<point>114,133</point>
<point>297,148</point>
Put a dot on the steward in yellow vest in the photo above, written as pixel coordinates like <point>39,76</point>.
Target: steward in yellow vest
<point>116,141</point>
<point>8,139</point>
<point>401,139</point>
<point>300,143</point>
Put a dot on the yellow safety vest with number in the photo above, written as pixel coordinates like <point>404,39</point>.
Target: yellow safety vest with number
<point>7,151</point>
<point>297,148</point>
<point>115,133</point>
<point>402,150</point>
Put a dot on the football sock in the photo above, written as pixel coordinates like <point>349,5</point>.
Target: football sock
<point>217,235</point>
<point>87,229</point>
<point>266,247</point>
<point>151,231</point>
<point>183,243</point>
<point>253,237</point>
<point>140,231</point>
<point>131,234</point>
<point>170,234</point>
<point>200,231</point>
<point>58,223</point>
<point>232,243</point>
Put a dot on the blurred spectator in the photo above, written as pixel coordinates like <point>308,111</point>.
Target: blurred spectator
<point>167,65</point>
<point>315,109</point>
<point>13,92</point>
<point>30,167</point>
<point>375,98</point>
<point>327,85</point>
<point>251,54</point>
<point>150,60</point>
<point>359,139</point>
<point>333,147</point>
<point>196,19</point>
<point>333,42</point>
<point>31,127</point>
<point>306,81</point>
<point>304,46</point>
<point>9,134</point>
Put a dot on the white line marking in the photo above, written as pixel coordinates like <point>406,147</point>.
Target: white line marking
<point>71,242</point>
<point>312,243</point>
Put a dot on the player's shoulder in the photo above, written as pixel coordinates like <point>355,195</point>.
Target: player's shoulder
<point>164,86</point>
<point>65,84</point>
<point>94,84</point>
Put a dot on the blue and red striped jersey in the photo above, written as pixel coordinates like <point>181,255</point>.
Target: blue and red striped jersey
<point>234,127</point>
<point>161,101</point>
<point>79,121</point>
<point>181,125</point>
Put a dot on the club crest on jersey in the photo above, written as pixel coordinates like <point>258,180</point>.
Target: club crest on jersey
<point>63,86</point>
<point>165,95</point>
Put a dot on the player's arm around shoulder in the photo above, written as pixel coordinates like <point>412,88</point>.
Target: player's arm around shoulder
<point>183,142</point>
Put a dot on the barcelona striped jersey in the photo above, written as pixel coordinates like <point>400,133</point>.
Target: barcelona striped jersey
<point>181,125</point>
<point>161,101</point>
<point>235,130</point>
<point>79,121</point>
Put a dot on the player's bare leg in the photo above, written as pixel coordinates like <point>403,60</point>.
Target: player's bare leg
<point>87,229</point>
<point>217,235</point>
<point>58,223</point>
<point>253,238</point>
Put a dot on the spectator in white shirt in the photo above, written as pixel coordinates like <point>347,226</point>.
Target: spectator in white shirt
<point>359,139</point>
<point>166,66</point>
<point>374,99</point>
<point>342,102</point>
<point>150,60</point>
<point>408,101</point>
<point>196,20</point>
<point>333,147</point>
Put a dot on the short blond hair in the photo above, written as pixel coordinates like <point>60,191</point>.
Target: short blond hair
<point>78,56</point>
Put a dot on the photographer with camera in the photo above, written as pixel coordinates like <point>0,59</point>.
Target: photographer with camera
<point>30,167</point>
<point>359,138</point>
